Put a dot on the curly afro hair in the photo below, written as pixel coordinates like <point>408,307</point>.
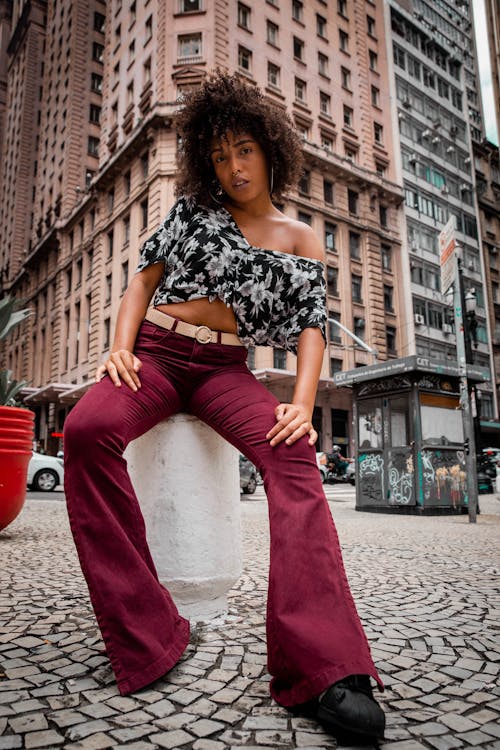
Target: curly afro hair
<point>225,103</point>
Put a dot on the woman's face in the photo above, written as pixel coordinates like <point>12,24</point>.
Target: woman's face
<point>240,166</point>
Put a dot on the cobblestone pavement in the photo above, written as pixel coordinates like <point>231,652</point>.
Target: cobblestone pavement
<point>427,590</point>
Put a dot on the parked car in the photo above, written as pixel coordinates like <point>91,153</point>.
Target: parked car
<point>45,472</point>
<point>248,476</point>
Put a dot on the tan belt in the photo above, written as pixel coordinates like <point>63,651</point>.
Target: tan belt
<point>202,334</point>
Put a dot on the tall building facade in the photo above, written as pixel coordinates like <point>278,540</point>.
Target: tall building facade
<point>106,164</point>
<point>440,119</point>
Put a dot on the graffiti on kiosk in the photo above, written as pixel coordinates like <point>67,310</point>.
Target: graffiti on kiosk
<point>444,477</point>
<point>371,475</point>
<point>401,485</point>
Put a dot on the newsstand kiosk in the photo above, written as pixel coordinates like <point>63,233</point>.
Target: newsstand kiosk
<point>409,440</point>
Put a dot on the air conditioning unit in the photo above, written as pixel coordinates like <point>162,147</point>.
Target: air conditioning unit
<point>413,158</point>
<point>464,187</point>
<point>436,139</point>
<point>467,160</point>
<point>406,102</point>
<point>444,190</point>
<point>447,328</point>
<point>419,319</point>
<point>471,265</point>
<point>427,133</point>
<point>450,149</point>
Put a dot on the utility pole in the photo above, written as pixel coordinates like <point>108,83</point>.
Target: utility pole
<point>464,348</point>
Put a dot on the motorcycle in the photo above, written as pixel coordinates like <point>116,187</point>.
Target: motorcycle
<point>333,474</point>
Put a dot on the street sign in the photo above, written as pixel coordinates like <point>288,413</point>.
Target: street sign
<point>447,245</point>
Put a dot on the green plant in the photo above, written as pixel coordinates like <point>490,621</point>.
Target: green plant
<point>9,319</point>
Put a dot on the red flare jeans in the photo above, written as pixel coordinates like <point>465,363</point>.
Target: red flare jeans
<point>314,634</point>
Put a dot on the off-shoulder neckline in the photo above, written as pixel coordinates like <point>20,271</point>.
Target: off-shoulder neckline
<point>264,249</point>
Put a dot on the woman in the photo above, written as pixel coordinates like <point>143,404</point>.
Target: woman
<point>228,269</point>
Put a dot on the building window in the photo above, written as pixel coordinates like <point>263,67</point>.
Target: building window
<point>327,142</point>
<point>95,114</point>
<point>130,93</point>
<point>378,132</point>
<point>244,16</point>
<point>107,297</point>
<point>298,48</point>
<point>304,184</point>
<point>97,52</point>
<point>189,47</point>
<point>93,146</point>
<point>330,232</point>
<point>370,25</point>
<point>351,154</point>
<point>332,281</point>
<point>144,214</point>
<point>383,215</point>
<point>145,164</point>
<point>335,366</point>
<point>111,201</point>
<point>126,230</point>
<point>348,116</point>
<point>388,295</point>
<point>300,90</point>
<point>342,7</point>
<point>107,328</point>
<point>96,83</point>
<point>324,103</point>
<point>279,359</point>
<point>110,244</point>
<point>251,357</point>
<point>373,58</point>
<point>148,26</point>
<point>328,192</point>
<point>124,283</point>
<point>354,245</point>
<point>345,77</point>
<point>352,201</point>
<point>375,96</point>
<point>322,64</point>
<point>189,6</point>
<point>359,327</point>
<point>333,330</point>
<point>146,72</point>
<point>386,253</point>
<point>127,179</point>
<point>391,338</point>
<point>273,75</point>
<point>244,59</point>
<point>305,218</point>
<point>343,40</point>
<point>131,51</point>
<point>297,10</point>
<point>78,274</point>
<point>272,31</point>
<point>133,12</point>
<point>320,26</point>
<point>99,21</point>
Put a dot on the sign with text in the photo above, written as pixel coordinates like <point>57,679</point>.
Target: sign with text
<point>447,245</point>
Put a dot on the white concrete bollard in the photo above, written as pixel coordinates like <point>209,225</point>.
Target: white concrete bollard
<point>187,481</point>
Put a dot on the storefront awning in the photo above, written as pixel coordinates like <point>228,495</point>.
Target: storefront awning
<point>75,393</point>
<point>47,394</point>
<point>275,376</point>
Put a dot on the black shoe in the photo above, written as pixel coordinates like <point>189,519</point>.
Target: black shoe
<point>349,705</point>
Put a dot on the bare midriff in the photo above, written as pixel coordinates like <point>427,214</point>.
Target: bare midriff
<point>216,315</point>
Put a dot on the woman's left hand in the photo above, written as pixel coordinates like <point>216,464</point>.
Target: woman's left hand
<point>293,422</point>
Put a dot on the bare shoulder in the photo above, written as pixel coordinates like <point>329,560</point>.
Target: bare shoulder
<point>305,241</point>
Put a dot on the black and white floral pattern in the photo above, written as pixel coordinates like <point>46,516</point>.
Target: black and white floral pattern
<point>274,295</point>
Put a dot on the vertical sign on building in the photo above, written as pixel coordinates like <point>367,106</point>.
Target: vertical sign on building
<point>447,245</point>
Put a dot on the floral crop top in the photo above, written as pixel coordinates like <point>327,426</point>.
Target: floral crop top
<point>274,295</point>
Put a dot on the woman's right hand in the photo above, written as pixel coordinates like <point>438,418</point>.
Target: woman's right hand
<point>121,365</point>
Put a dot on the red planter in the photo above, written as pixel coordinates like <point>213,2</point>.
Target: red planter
<point>16,446</point>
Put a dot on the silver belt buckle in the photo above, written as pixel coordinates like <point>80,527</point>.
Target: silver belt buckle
<point>203,335</point>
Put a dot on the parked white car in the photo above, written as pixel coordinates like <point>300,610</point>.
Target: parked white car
<point>45,472</point>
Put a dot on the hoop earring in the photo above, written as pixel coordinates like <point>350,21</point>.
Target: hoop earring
<point>214,198</point>
<point>271,186</point>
